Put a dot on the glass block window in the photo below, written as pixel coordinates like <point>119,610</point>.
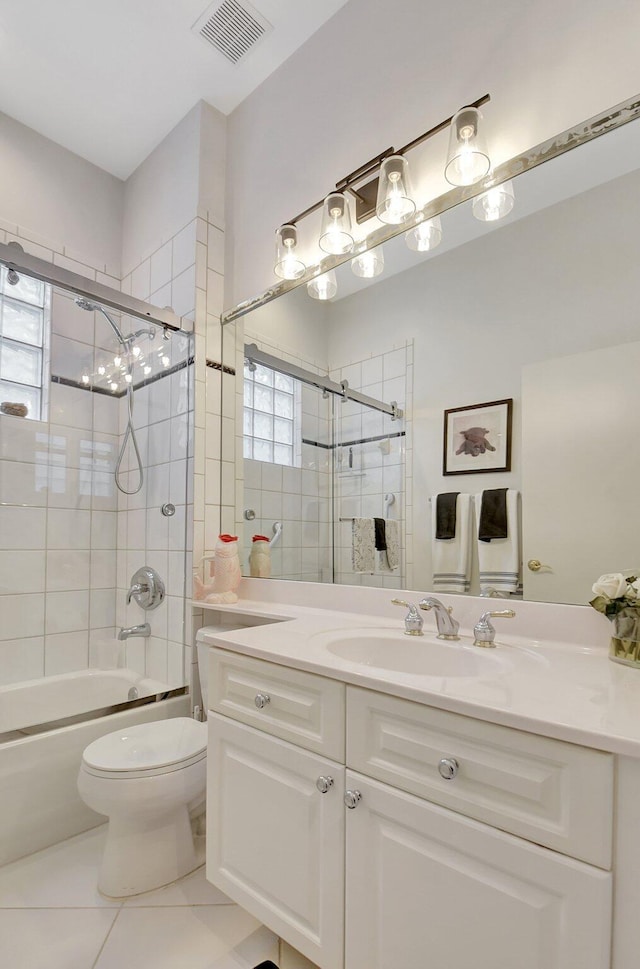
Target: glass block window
<point>24,340</point>
<point>271,416</point>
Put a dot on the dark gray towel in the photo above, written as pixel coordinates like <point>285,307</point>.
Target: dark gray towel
<point>446,515</point>
<point>380,530</point>
<point>493,515</point>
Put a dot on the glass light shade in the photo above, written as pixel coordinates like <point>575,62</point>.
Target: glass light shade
<point>336,236</point>
<point>287,265</point>
<point>468,158</point>
<point>395,202</point>
<point>324,286</point>
<point>425,236</point>
<point>495,203</point>
<point>368,264</point>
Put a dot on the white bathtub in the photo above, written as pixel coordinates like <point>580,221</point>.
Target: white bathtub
<point>40,751</point>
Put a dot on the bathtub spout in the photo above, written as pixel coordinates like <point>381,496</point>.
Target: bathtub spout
<point>144,629</point>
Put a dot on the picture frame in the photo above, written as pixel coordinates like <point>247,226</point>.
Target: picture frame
<point>477,438</point>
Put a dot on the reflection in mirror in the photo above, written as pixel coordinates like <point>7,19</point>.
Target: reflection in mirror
<point>539,308</point>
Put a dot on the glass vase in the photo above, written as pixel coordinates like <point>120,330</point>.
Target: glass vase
<point>625,643</point>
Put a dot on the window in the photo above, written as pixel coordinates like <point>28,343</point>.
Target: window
<point>24,337</point>
<point>271,416</point>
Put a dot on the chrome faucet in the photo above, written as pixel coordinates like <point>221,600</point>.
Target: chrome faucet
<point>144,630</point>
<point>413,621</point>
<point>447,626</point>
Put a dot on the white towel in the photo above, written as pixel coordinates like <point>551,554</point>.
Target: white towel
<point>499,559</point>
<point>363,549</point>
<point>392,535</point>
<point>452,556</point>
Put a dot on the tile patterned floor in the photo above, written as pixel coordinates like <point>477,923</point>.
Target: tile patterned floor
<point>51,915</point>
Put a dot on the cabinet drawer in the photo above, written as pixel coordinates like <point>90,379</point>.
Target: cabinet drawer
<point>303,708</point>
<point>547,791</point>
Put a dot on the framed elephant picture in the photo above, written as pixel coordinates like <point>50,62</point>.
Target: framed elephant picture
<point>477,438</point>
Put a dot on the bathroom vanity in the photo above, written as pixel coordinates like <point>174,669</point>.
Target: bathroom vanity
<point>376,817</point>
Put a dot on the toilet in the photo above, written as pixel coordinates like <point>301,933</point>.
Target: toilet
<point>145,778</point>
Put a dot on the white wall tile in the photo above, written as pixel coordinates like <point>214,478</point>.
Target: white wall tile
<point>67,570</point>
<point>183,292</point>
<point>161,267</point>
<point>22,616</point>
<point>66,652</point>
<point>68,529</point>
<point>67,612</point>
<point>184,249</point>
<point>21,659</point>
<point>22,528</point>
<point>21,572</point>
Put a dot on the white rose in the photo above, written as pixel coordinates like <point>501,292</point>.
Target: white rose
<point>613,585</point>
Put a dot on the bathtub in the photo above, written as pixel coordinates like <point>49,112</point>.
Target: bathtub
<point>45,725</point>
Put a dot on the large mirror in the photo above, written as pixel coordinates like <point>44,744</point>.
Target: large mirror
<point>539,308</point>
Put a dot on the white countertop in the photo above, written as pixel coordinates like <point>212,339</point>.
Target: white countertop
<point>553,688</point>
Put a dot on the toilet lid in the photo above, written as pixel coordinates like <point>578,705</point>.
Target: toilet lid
<point>148,746</point>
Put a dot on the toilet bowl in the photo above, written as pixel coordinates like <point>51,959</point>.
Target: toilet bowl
<point>144,778</point>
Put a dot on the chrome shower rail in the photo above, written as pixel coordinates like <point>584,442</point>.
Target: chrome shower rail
<point>13,256</point>
<point>254,354</point>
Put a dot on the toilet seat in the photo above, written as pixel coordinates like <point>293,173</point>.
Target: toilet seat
<point>147,749</point>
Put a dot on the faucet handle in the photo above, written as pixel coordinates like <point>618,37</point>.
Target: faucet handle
<point>413,622</point>
<point>484,632</point>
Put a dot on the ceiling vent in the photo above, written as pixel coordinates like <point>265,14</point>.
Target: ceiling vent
<point>233,28</point>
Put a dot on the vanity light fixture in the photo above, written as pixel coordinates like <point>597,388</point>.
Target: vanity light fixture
<point>381,187</point>
<point>335,234</point>
<point>287,264</point>
<point>494,204</point>
<point>468,158</point>
<point>369,263</point>
<point>394,203</point>
<point>427,235</point>
<point>324,286</point>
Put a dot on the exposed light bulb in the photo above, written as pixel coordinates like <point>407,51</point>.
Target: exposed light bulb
<point>494,204</point>
<point>287,264</point>
<point>324,286</point>
<point>427,235</point>
<point>102,371</point>
<point>136,352</point>
<point>85,378</point>
<point>165,361</point>
<point>114,385</point>
<point>368,264</point>
<point>128,378</point>
<point>117,361</point>
<point>147,370</point>
<point>394,203</point>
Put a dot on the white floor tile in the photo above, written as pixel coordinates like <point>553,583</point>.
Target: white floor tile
<point>203,937</point>
<point>55,938</point>
<point>194,889</point>
<point>62,876</point>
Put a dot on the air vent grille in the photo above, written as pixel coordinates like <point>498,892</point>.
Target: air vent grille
<point>233,28</point>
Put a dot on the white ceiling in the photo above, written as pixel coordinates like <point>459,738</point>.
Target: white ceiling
<point>108,80</point>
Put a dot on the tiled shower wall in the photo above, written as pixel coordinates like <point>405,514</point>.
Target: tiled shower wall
<point>65,557</point>
<point>58,507</point>
<point>379,451</point>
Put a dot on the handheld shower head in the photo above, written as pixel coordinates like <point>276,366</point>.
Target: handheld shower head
<point>85,304</point>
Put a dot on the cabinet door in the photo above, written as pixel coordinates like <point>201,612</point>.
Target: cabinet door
<point>428,887</point>
<point>275,844</point>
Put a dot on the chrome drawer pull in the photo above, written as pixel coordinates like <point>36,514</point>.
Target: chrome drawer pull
<point>324,783</point>
<point>261,700</point>
<point>352,799</point>
<point>448,767</point>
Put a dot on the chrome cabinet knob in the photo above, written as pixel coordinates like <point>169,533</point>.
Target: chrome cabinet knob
<point>448,767</point>
<point>262,700</point>
<point>352,799</point>
<point>324,783</point>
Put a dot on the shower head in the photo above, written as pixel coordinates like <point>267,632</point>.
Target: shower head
<point>86,304</point>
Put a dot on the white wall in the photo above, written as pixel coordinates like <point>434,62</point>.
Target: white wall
<point>375,76</point>
<point>59,198</point>
<point>556,283</point>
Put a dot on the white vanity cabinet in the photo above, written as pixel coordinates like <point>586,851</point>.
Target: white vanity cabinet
<point>500,861</point>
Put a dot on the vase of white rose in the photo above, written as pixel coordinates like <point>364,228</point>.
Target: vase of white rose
<point>616,597</point>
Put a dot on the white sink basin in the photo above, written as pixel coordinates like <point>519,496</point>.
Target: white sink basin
<point>390,649</point>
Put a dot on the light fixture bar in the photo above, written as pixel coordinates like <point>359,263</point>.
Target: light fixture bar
<point>365,196</point>
<point>255,355</point>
